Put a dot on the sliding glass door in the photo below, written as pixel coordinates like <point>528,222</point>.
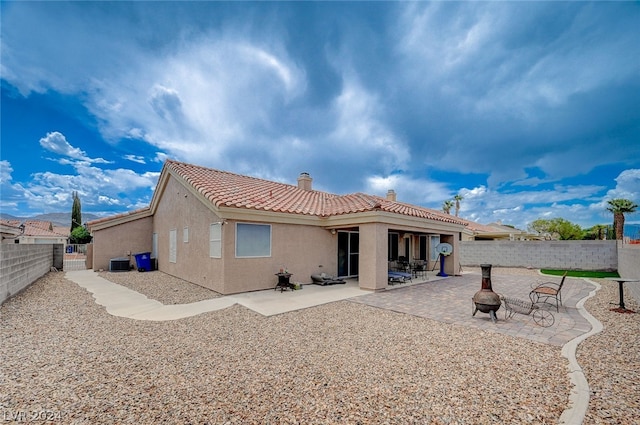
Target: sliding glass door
<point>348,253</point>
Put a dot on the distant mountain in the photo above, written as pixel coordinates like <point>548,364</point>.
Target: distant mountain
<point>58,219</point>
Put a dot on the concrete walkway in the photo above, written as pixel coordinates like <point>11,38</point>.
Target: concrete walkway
<point>124,302</point>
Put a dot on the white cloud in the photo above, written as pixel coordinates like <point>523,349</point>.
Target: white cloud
<point>49,191</point>
<point>57,143</point>
<point>135,158</point>
<point>627,186</point>
<point>360,133</point>
<point>486,205</point>
<point>412,191</point>
<point>197,103</point>
<point>5,172</point>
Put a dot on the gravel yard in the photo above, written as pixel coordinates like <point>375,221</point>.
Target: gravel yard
<point>161,287</point>
<point>337,363</point>
<point>612,358</point>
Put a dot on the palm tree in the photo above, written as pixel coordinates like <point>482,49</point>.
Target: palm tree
<point>620,207</point>
<point>446,206</point>
<point>458,198</point>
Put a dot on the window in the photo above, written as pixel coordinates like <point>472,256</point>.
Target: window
<point>215,240</point>
<point>434,240</point>
<point>393,246</point>
<point>253,240</point>
<point>173,246</point>
<point>185,235</point>
<point>423,247</point>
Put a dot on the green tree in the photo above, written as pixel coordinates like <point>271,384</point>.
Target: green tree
<point>556,228</point>
<point>597,232</point>
<point>458,198</point>
<point>76,212</point>
<point>620,207</point>
<point>446,206</point>
<point>80,235</point>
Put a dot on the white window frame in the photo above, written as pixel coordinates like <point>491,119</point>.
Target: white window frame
<point>185,234</point>
<point>434,240</point>
<point>256,254</point>
<point>173,246</point>
<point>215,240</point>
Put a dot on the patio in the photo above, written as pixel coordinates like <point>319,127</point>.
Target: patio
<point>449,301</point>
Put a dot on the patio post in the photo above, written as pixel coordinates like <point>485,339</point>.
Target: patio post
<point>373,256</point>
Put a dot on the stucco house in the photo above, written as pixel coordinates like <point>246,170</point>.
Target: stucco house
<point>33,232</point>
<point>493,232</point>
<point>232,233</point>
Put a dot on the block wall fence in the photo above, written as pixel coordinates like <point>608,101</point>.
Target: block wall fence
<point>23,264</point>
<point>578,255</point>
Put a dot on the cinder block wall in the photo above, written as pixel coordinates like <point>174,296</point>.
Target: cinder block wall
<point>579,255</point>
<point>629,266</point>
<point>23,264</point>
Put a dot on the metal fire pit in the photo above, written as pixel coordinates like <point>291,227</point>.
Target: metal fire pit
<point>485,300</point>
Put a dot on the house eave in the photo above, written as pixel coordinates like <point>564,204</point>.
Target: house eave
<point>119,219</point>
<point>405,222</point>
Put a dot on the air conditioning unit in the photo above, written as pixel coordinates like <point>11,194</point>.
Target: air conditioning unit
<point>119,264</point>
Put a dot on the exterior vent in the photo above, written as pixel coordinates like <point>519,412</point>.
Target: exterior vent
<point>119,264</point>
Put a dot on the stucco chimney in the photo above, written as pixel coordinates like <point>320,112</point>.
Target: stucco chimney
<point>304,181</point>
<point>391,195</point>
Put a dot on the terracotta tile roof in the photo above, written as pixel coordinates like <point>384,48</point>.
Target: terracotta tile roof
<point>38,228</point>
<point>481,228</point>
<point>227,189</point>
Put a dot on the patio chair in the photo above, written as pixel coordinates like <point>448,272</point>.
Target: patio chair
<point>398,277</point>
<point>403,264</point>
<point>546,290</point>
<point>324,279</point>
<point>419,269</point>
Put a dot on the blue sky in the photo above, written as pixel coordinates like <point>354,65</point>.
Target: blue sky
<point>527,110</point>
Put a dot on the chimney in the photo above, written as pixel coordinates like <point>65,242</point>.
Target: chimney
<point>391,195</point>
<point>304,181</point>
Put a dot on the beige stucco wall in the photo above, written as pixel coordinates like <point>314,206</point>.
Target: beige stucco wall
<point>121,241</point>
<point>301,249</point>
<point>452,261</point>
<point>178,208</point>
<point>374,255</point>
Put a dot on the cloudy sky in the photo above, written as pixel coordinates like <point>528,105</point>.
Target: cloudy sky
<point>527,110</point>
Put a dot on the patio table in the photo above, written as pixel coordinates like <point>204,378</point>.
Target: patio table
<point>621,281</point>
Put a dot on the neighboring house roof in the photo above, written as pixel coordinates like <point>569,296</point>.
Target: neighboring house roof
<point>224,189</point>
<point>494,231</point>
<point>9,231</point>
<point>37,228</point>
